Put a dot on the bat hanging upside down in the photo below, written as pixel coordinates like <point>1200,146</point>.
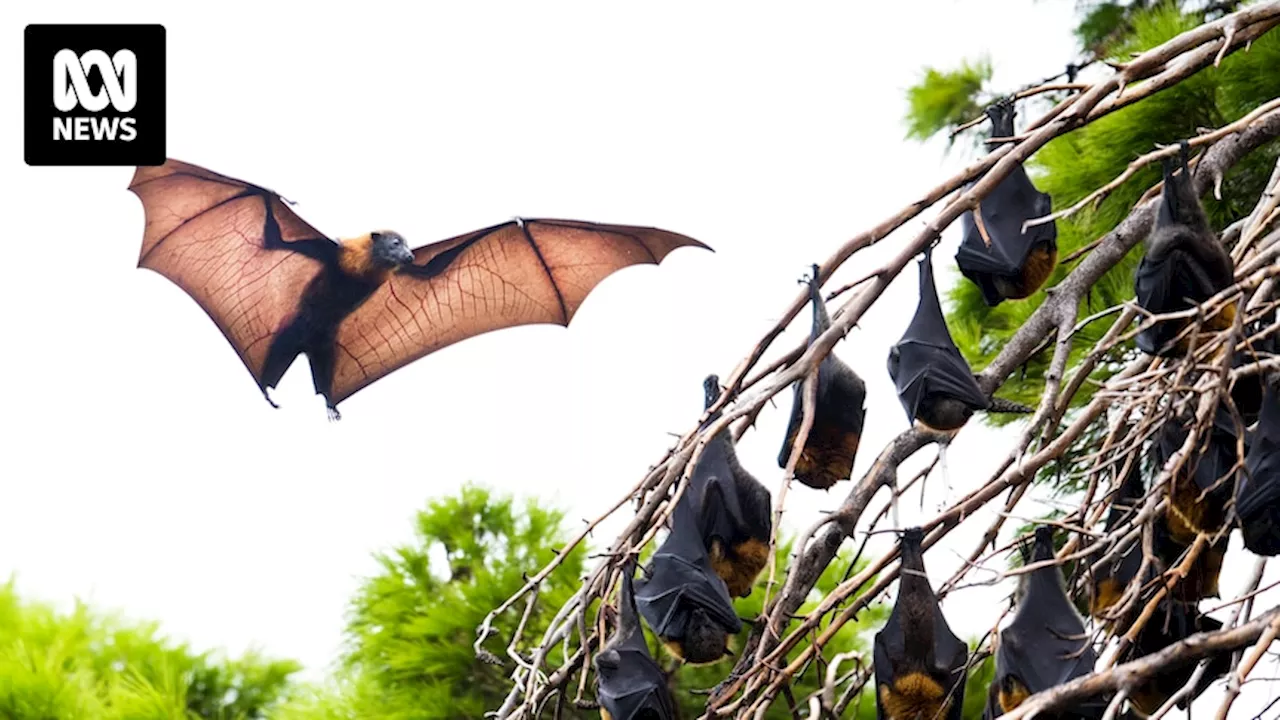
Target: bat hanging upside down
<point>734,510</point>
<point>629,684</point>
<point>1184,264</point>
<point>838,414</point>
<point>935,383</point>
<point>919,661</point>
<point>363,307</point>
<point>1258,500</point>
<point>1006,261</point>
<point>1046,644</point>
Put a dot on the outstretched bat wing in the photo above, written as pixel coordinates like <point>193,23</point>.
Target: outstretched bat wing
<point>518,273</point>
<point>234,247</point>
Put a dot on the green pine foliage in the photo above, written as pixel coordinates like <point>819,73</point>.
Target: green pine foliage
<point>946,99</point>
<point>1103,24</point>
<point>410,630</point>
<point>1072,166</point>
<point>413,625</point>
<point>85,665</point>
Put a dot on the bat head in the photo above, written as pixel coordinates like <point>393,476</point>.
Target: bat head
<point>631,687</point>
<point>389,250</point>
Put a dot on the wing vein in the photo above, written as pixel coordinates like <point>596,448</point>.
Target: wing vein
<point>528,236</point>
<point>182,224</point>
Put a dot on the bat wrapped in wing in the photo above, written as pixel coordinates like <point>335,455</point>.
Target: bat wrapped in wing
<point>1184,264</point>
<point>735,511</point>
<point>1045,646</point>
<point>363,307</point>
<point>683,600</point>
<point>629,684</point>
<point>1113,578</point>
<point>828,453</point>
<point>1202,576</point>
<point>919,662</point>
<point>1258,502</point>
<point>1005,261</point>
<point>1174,621</point>
<point>1248,391</point>
<point>1202,488</point>
<point>935,383</point>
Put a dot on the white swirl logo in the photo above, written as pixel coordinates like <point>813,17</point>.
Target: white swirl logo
<point>119,80</point>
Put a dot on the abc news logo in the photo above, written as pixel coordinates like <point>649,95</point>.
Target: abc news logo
<point>95,95</point>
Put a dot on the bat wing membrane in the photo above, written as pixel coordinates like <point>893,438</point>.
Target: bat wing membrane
<point>235,248</point>
<point>517,273</point>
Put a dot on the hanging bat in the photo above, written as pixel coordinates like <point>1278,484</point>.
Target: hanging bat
<point>363,307</point>
<point>1184,264</point>
<point>683,600</point>
<point>827,457</point>
<point>1113,578</point>
<point>1201,580</point>
<point>919,662</point>
<point>1045,645</point>
<point>935,384</point>
<point>996,254</point>
<point>629,684</point>
<point>1258,502</point>
<point>735,512</point>
<point>1174,621</point>
<point>1247,391</point>
<point>1202,488</point>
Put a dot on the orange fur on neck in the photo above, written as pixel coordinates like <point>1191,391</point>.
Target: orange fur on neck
<point>914,696</point>
<point>740,566</point>
<point>1014,696</point>
<point>355,258</point>
<point>1036,270</point>
<point>1219,321</point>
<point>827,457</point>
<point>1107,593</point>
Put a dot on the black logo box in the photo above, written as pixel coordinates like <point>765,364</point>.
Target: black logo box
<point>42,42</point>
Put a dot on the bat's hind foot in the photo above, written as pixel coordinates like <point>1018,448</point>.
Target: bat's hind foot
<point>270,402</point>
<point>334,415</point>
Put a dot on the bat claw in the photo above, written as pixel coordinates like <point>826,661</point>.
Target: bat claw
<point>270,402</point>
<point>334,415</point>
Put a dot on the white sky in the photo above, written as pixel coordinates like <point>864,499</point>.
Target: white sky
<point>145,472</point>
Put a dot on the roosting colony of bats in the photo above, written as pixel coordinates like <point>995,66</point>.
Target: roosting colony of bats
<point>1198,464</point>
<point>919,664</point>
